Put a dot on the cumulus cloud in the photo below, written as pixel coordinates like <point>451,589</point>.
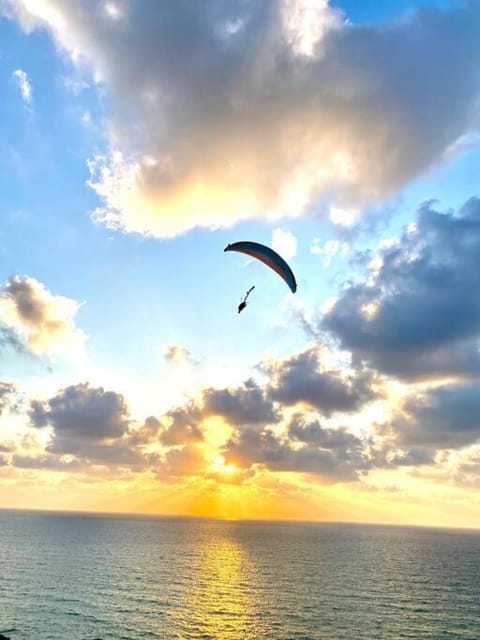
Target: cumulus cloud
<point>24,85</point>
<point>243,108</point>
<point>82,411</point>
<point>446,417</point>
<point>334,455</point>
<point>38,321</point>
<point>303,378</point>
<point>246,404</point>
<point>91,424</point>
<point>242,405</point>
<point>178,354</point>
<point>417,314</point>
<point>182,425</point>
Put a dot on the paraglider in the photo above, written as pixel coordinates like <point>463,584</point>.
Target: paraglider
<point>269,257</point>
<point>243,303</point>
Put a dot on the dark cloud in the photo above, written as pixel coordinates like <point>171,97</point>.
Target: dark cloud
<point>30,307</point>
<point>413,457</point>
<point>83,412</point>
<point>231,101</point>
<point>147,432</point>
<point>182,426</point>
<point>47,462</point>
<point>447,417</point>
<point>313,434</point>
<point>242,405</point>
<point>334,455</point>
<point>303,379</point>
<point>418,315</point>
<point>247,404</point>
<point>93,425</point>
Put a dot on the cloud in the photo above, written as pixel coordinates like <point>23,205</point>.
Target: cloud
<point>89,423</point>
<point>182,425</point>
<point>183,461</point>
<point>178,355</point>
<point>245,108</point>
<point>413,457</point>
<point>334,455</point>
<point>82,411</point>
<point>8,338</point>
<point>24,85</point>
<point>303,378</point>
<point>468,472</point>
<point>37,320</point>
<point>446,417</point>
<point>7,395</point>
<point>147,432</point>
<point>242,405</point>
<point>298,380</point>
<point>90,426</point>
<point>285,243</point>
<point>328,250</point>
<point>417,314</point>
<point>246,404</point>
<point>46,462</point>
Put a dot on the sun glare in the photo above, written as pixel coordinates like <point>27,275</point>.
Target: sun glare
<point>219,466</point>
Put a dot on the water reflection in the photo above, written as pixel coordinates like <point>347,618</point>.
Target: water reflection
<point>221,600</point>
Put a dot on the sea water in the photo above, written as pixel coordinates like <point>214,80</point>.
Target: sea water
<point>83,577</point>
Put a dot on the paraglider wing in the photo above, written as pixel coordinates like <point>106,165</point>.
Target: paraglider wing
<point>267,256</point>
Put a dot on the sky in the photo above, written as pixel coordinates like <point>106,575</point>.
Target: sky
<point>138,139</point>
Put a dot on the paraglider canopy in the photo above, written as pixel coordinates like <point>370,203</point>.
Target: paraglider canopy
<point>267,256</point>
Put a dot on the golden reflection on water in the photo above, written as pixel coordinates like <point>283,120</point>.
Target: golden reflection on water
<point>221,599</point>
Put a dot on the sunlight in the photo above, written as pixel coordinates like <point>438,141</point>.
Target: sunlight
<point>219,466</point>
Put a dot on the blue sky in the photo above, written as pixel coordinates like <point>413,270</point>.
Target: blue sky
<point>136,141</point>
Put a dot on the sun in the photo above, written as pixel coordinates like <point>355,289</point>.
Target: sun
<point>219,466</point>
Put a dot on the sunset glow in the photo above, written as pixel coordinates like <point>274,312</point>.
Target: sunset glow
<point>139,139</point>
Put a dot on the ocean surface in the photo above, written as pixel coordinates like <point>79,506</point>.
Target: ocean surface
<point>83,577</point>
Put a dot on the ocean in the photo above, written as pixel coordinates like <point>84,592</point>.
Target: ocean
<point>87,577</point>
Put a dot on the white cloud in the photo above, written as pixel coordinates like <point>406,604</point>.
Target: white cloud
<point>344,216</point>
<point>225,111</point>
<point>328,250</point>
<point>42,323</point>
<point>24,85</point>
<point>179,355</point>
<point>285,243</point>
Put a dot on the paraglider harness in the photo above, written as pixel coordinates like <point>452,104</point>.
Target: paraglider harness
<point>243,303</point>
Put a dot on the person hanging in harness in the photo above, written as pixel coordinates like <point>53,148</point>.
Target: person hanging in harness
<point>243,302</point>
